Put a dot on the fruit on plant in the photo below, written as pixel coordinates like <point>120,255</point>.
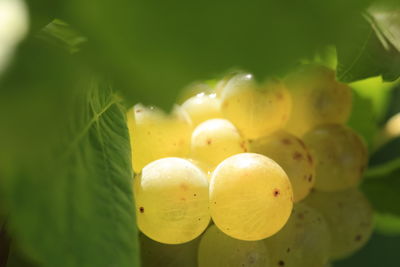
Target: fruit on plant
<point>202,107</point>
<point>216,249</point>
<point>340,155</point>
<point>304,241</point>
<point>250,196</point>
<point>214,140</point>
<point>317,98</point>
<point>256,110</point>
<point>155,254</point>
<point>349,217</point>
<point>171,196</point>
<point>156,135</point>
<point>292,155</point>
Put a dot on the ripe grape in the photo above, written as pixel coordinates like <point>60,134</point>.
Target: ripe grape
<point>214,140</point>
<point>255,110</point>
<point>293,156</point>
<point>155,254</point>
<point>250,196</point>
<point>156,135</point>
<point>340,155</point>
<point>349,217</point>
<point>216,249</point>
<point>171,196</point>
<point>304,241</point>
<point>317,98</point>
<point>202,107</point>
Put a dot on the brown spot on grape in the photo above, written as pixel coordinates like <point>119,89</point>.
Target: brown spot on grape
<point>209,141</point>
<point>276,192</point>
<point>309,158</point>
<point>281,263</point>
<point>243,146</point>
<point>302,143</point>
<point>194,195</point>
<point>138,110</point>
<point>250,141</point>
<point>310,178</point>
<point>297,155</point>
<point>183,199</point>
<point>184,186</point>
<point>141,209</point>
<point>358,238</point>
<point>279,96</point>
<point>288,250</point>
<point>286,141</point>
<point>225,104</point>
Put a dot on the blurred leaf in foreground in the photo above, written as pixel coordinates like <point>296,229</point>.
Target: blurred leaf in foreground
<point>65,163</point>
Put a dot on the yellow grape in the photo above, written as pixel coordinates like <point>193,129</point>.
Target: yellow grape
<point>250,196</point>
<point>256,110</point>
<point>155,254</point>
<point>292,155</point>
<point>214,140</point>
<point>156,135</point>
<point>340,155</point>
<point>349,217</point>
<point>202,107</point>
<point>317,98</point>
<point>194,89</point>
<point>303,242</point>
<point>216,249</point>
<point>171,196</point>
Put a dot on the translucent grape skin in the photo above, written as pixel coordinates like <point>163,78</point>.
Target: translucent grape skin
<point>202,107</point>
<point>255,110</point>
<point>216,249</point>
<point>304,241</point>
<point>214,140</point>
<point>155,134</point>
<point>251,196</point>
<point>155,254</point>
<point>349,217</point>
<point>340,155</point>
<point>317,98</point>
<point>171,197</point>
<point>292,155</point>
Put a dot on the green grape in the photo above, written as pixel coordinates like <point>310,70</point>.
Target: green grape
<point>303,242</point>
<point>292,155</point>
<point>216,249</point>
<point>349,217</point>
<point>317,98</point>
<point>250,196</point>
<point>255,110</point>
<point>156,135</point>
<point>340,155</point>
<point>155,254</point>
<point>202,107</point>
<point>214,140</point>
<point>171,196</point>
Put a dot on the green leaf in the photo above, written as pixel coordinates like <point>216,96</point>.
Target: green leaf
<point>155,48</point>
<point>365,54</point>
<point>65,163</point>
<point>383,192</point>
<point>385,16</point>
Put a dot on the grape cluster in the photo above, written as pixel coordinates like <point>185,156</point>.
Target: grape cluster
<point>251,174</point>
